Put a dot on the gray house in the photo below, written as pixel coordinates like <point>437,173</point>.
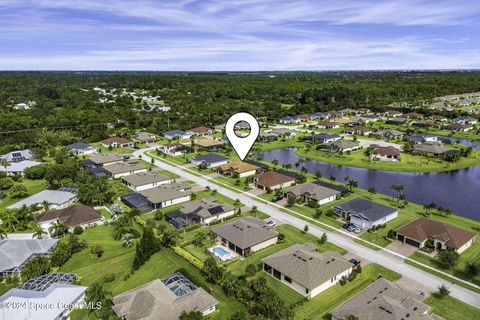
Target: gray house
<point>365,213</point>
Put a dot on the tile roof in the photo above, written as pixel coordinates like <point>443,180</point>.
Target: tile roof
<point>272,178</point>
<point>238,166</point>
<point>166,192</point>
<point>72,216</point>
<point>119,140</point>
<point>423,229</point>
<point>245,232</point>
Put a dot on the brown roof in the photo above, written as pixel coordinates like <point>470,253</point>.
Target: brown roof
<point>304,116</point>
<point>359,128</point>
<point>328,123</point>
<point>72,216</point>
<point>238,166</point>
<point>118,140</point>
<point>413,115</point>
<point>386,151</point>
<point>423,229</point>
<point>393,112</point>
<point>208,143</point>
<point>200,130</point>
<point>272,178</point>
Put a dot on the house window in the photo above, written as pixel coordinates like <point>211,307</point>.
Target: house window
<point>307,291</point>
<point>277,274</point>
<point>287,279</point>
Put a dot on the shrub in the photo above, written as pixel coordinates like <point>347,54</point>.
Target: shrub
<point>343,281</point>
<point>78,230</point>
<point>96,250</point>
<point>109,277</point>
<point>189,257</point>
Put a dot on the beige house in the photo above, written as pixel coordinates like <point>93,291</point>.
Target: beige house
<point>239,168</point>
<point>305,270</point>
<point>122,169</point>
<point>307,192</point>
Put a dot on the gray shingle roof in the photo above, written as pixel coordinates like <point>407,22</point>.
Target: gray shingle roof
<point>307,267</point>
<point>54,197</point>
<point>143,178</point>
<point>245,232</point>
<point>166,192</point>
<point>122,167</point>
<point>366,208</point>
<point>206,208</point>
<point>210,158</point>
<point>383,300</point>
<point>102,158</point>
<point>313,190</point>
<point>78,146</point>
<point>14,253</point>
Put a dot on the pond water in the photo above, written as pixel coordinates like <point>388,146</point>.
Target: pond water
<point>458,190</point>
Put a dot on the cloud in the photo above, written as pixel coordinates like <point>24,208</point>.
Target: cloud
<point>238,35</point>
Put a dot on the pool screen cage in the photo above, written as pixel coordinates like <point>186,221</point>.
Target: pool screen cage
<point>43,282</point>
<point>179,284</point>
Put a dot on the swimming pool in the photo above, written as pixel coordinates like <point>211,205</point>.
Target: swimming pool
<point>222,253</point>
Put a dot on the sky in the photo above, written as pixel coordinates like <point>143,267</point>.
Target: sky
<point>233,35</point>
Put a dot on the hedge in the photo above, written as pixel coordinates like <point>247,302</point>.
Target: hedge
<point>189,257</point>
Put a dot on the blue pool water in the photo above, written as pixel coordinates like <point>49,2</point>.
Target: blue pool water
<point>221,252</point>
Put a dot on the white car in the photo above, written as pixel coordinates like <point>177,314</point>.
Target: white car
<point>271,223</point>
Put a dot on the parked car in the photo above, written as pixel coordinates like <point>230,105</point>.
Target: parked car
<point>347,225</point>
<point>351,227</point>
<point>357,230</point>
<point>277,198</point>
<point>271,223</point>
<point>355,262</point>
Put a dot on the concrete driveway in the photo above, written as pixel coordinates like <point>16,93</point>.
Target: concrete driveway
<point>402,248</point>
<point>414,287</point>
<point>257,191</point>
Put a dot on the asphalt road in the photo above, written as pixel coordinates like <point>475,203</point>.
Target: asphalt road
<point>383,257</point>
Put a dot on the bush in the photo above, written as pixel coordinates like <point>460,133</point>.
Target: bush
<point>109,277</point>
<point>6,183</point>
<point>343,281</point>
<point>189,257</point>
<point>78,230</point>
<point>35,173</point>
<point>96,250</point>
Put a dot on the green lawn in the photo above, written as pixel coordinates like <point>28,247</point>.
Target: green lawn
<point>453,309</point>
<point>231,182</point>
<point>33,186</point>
<point>292,236</point>
<point>321,305</point>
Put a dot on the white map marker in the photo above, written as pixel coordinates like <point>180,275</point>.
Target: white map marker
<point>242,145</point>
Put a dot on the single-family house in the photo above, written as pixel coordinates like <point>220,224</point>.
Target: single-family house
<point>272,180</point>
<point>289,120</point>
<point>322,138</point>
<point>382,300</point>
<point>176,134</point>
<point>311,191</point>
<point>47,302</point>
<point>210,160</point>
<point>238,169</point>
<point>321,115</point>
<point>327,125</point>
<point>18,155</point>
<point>18,168</point>
<point>396,121</point>
<point>393,113</point>
<point>159,197</point>
<point>104,159</point>
<point>80,148</point>
<point>145,180</point>
<point>384,153</point>
<point>304,117</point>
<point>219,127</point>
<point>465,120</point>
<point>438,235</point>
<point>305,270</point>
<point>15,253</point>
<point>358,130</point>
<point>429,148</point>
<point>175,149</point>
<point>339,146</point>
<point>419,138</point>
<point>246,235</point>
<point>122,169</point>
<point>203,211</point>
<point>283,132</point>
<point>209,144</point>
<point>145,137</point>
<point>117,142</point>
<point>438,118</point>
<point>387,134</point>
<point>76,215</point>
<point>164,299</point>
<point>458,127</point>
<point>56,199</point>
<point>365,213</point>
<point>369,118</point>
<point>201,131</point>
<point>413,115</point>
<point>267,136</point>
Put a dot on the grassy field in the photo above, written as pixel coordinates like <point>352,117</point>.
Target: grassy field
<point>453,309</point>
<point>118,260</point>
<point>321,305</point>
<point>227,181</point>
<point>33,186</point>
<point>292,236</point>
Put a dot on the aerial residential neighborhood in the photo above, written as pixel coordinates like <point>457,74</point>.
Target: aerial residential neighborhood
<point>239,160</point>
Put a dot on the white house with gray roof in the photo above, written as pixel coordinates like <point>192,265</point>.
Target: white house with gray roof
<point>145,180</point>
<point>19,167</point>
<point>383,300</point>
<point>122,169</point>
<point>246,236</point>
<point>210,160</point>
<point>305,270</point>
<point>15,253</point>
<point>365,213</point>
<point>56,199</point>
<point>81,148</point>
<point>18,155</point>
<point>310,191</point>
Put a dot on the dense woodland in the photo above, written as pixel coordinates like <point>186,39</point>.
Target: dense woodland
<point>67,109</point>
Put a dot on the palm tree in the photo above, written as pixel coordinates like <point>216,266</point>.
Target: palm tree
<point>46,205</point>
<point>398,188</point>
<point>3,234</point>
<point>275,162</point>
<point>9,220</point>
<point>39,233</point>
<point>4,163</point>
<point>127,239</point>
<point>58,229</point>
<point>352,184</point>
<point>333,178</point>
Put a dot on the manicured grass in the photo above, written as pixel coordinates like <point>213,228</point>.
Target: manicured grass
<point>408,163</point>
<point>292,236</point>
<point>452,309</point>
<point>33,186</point>
<point>232,183</point>
<point>321,305</point>
<point>257,214</point>
<point>284,292</point>
<point>471,254</point>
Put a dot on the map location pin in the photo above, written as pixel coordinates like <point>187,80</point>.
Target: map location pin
<point>242,145</point>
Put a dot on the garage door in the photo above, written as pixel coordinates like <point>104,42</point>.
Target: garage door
<point>412,242</point>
